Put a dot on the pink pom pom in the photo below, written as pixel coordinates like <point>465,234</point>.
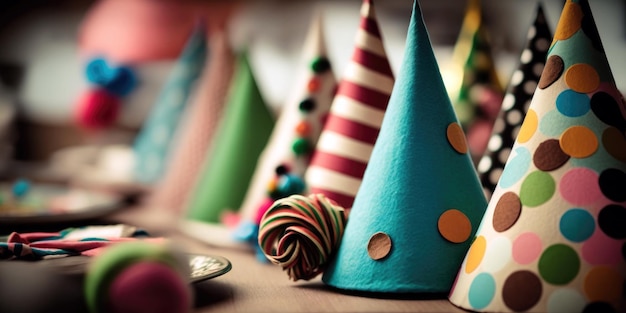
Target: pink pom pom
<point>97,109</point>
<point>262,209</point>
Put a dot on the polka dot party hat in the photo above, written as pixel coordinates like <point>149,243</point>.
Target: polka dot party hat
<point>280,171</point>
<point>154,141</point>
<point>553,236</point>
<point>195,134</point>
<point>420,203</point>
<point>480,95</point>
<point>516,101</point>
<point>240,137</point>
<point>346,142</point>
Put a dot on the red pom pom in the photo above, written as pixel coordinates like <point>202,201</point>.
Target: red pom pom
<point>97,109</point>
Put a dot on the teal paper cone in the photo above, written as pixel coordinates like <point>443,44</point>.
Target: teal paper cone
<point>241,136</point>
<point>420,203</point>
<point>154,141</point>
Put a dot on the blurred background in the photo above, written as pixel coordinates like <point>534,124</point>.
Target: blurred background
<point>44,45</point>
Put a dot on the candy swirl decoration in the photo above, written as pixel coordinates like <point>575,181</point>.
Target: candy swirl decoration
<point>99,107</point>
<point>301,233</point>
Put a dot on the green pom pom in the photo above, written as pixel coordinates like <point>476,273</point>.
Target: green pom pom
<point>301,146</point>
<point>320,65</point>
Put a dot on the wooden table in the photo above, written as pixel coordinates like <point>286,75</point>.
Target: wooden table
<point>250,286</point>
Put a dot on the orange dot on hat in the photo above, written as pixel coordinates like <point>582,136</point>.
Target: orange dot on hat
<point>582,78</point>
<point>529,127</point>
<point>570,22</point>
<point>313,85</point>
<point>379,246</point>
<point>603,283</point>
<point>579,142</point>
<point>303,128</point>
<point>456,138</point>
<point>475,254</point>
<point>454,226</point>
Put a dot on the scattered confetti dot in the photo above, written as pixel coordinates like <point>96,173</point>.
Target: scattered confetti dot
<point>456,138</point>
<point>521,291</point>
<point>475,254</point>
<point>537,188</point>
<point>507,212</point>
<point>379,246</point>
<point>529,127</point>
<point>577,225</point>
<point>21,188</point>
<point>526,248</point>
<point>603,283</point>
<point>549,156</point>
<point>582,78</point>
<point>573,104</point>
<point>559,264</point>
<point>579,142</point>
<point>454,226</point>
<point>612,219</point>
<point>613,184</point>
<point>579,186</point>
<point>482,290</point>
<point>551,71</point>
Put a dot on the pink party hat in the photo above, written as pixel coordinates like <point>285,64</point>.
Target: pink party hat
<point>553,236</point>
<point>280,170</point>
<point>516,101</point>
<point>420,203</point>
<point>196,132</point>
<point>346,143</point>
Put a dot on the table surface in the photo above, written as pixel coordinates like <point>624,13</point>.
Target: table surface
<point>250,286</point>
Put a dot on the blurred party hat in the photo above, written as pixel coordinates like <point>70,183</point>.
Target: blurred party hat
<point>516,101</point>
<point>346,142</point>
<point>480,95</point>
<point>198,126</point>
<point>281,167</point>
<point>154,141</point>
<point>241,135</point>
<point>553,236</point>
<point>420,202</point>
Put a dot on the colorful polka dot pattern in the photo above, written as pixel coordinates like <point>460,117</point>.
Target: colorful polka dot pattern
<point>515,104</point>
<point>153,143</point>
<point>558,212</point>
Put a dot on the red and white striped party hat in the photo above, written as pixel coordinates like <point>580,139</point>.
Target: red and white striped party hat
<point>196,133</point>
<point>345,145</point>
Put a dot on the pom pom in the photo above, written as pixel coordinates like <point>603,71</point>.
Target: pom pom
<point>302,233</point>
<point>97,109</point>
<point>119,81</point>
<point>138,277</point>
<point>287,185</point>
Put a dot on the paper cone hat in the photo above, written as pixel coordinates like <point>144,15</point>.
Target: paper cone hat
<point>280,171</point>
<point>480,96</point>
<point>420,203</point>
<point>198,126</point>
<point>553,236</point>
<point>516,101</point>
<point>154,141</point>
<point>242,134</point>
<point>346,143</point>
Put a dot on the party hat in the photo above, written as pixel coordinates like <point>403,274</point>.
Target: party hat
<point>281,167</point>
<point>242,134</point>
<point>346,142</point>
<point>553,236</point>
<point>420,202</point>
<point>480,95</point>
<point>153,143</point>
<point>196,132</point>
<point>516,101</point>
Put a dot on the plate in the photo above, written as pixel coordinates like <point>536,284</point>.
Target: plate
<point>51,203</point>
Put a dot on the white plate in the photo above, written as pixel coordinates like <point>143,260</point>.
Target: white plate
<point>49,203</point>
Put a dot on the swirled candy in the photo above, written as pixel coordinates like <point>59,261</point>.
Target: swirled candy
<point>301,233</point>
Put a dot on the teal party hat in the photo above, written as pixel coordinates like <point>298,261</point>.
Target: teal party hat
<point>154,141</point>
<point>420,202</point>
